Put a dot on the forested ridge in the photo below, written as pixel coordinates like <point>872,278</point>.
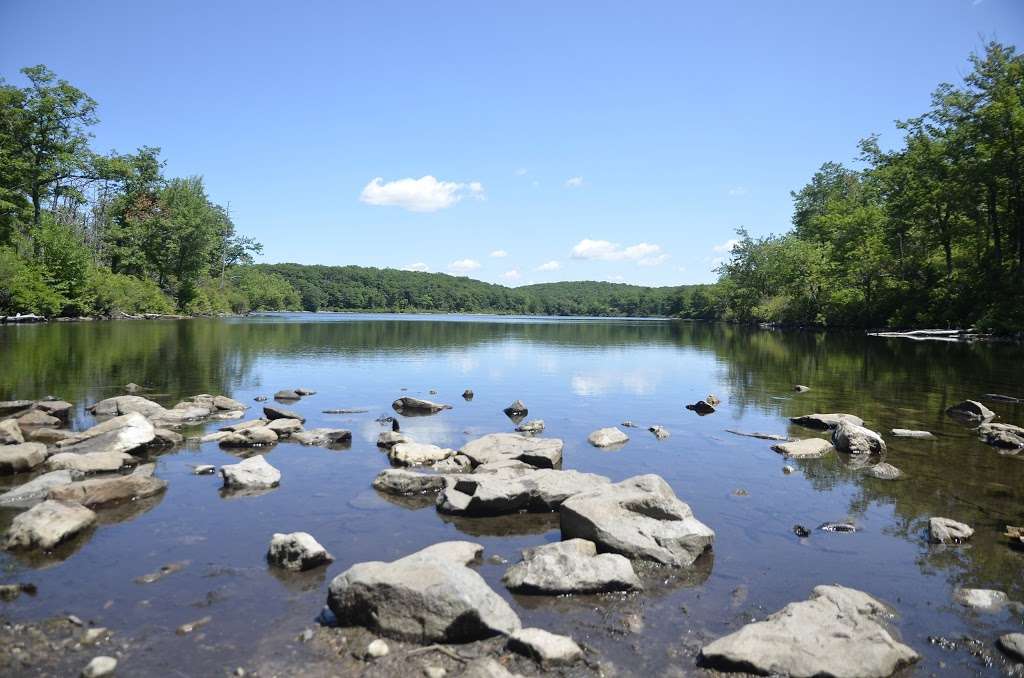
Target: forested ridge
<point>929,232</point>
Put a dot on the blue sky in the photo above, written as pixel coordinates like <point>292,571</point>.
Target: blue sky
<point>512,142</point>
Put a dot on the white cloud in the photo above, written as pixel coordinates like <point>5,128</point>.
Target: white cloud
<point>464,265</point>
<point>521,172</point>
<point>511,275</point>
<point>425,194</point>
<point>418,266</point>
<point>726,246</point>
<point>574,182</point>
<point>499,254</point>
<point>738,191</point>
<point>550,266</point>
<point>645,254</point>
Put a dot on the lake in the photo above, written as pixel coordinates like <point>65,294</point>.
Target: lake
<point>577,375</point>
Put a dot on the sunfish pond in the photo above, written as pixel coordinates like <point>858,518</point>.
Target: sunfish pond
<point>577,375</point>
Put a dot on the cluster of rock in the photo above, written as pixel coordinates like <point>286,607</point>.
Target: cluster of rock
<point>277,424</point>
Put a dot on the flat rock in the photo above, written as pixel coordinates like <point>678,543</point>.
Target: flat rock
<point>854,439</point>
<point>760,435</point>
<point>272,412</point>
<point>546,648</point>
<point>90,462</point>
<point>55,408</point>
<point>283,427</point>
<point>228,404</point>
<point>640,517</point>
<point>126,404</point>
<point>10,433</point>
<point>249,423</point>
<point>388,439</point>
<point>402,482</point>
<point>254,436</point>
<point>21,457</point>
<point>305,391</point>
<point>884,471</point>
<point>165,437</point>
<point>35,490</point>
<point>96,492</point>
<point>460,463</point>
<point>418,405</point>
<point>297,551</point>
<point>513,491</point>
<point>1013,645</point>
<point>418,454</point>
<point>287,394</point>
<point>251,474</point>
<point>911,433</point>
<point>983,600</point>
<point>322,436</point>
<point>47,524</point>
<point>571,566</point>
<point>607,437</point>
<point>824,422</point>
<point>123,433</point>
<point>204,470</point>
<point>970,410</point>
<point>37,418</point>
<point>838,632</point>
<point>428,596</point>
<point>50,436</point>
<point>494,447</point>
<point>948,531</point>
<point>808,448</point>
<point>12,406</point>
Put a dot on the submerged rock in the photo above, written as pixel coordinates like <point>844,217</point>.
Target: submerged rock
<point>47,524</point>
<point>808,448</point>
<point>428,596</point>
<point>884,471</point>
<point>495,447</point>
<point>970,410</point>
<point>297,551</point>
<point>571,566</point>
<point>10,433</point>
<point>824,422</point>
<point>512,490</point>
<point>855,439</point>
<point>758,434</point>
<point>838,632</point>
<point>418,454</point>
<point>1003,436</point>
<point>418,405</point>
<point>251,473</point>
<point>21,457</point>
<point>640,517</point>
<point>910,433</point>
<point>607,437</point>
<point>544,647</point>
<point>35,490</point>
<point>948,531</point>
<point>983,600</point>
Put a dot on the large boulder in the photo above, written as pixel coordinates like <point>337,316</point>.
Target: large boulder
<point>254,473</point>
<point>513,490</point>
<point>838,632</point>
<point>571,566</point>
<point>297,551</point>
<point>125,404</point>
<point>35,490</point>
<point>418,454</point>
<point>494,447</point>
<point>96,492</point>
<point>641,517</point>
<point>124,433</point>
<point>853,439</point>
<point>10,433</point>
<point>426,597</point>
<point>47,524</point>
<point>808,448</point>
<point>22,457</point>
<point>970,410</point>
<point>90,462</point>
<point>948,531</point>
<point>408,404</point>
<point>607,437</point>
<point>824,422</point>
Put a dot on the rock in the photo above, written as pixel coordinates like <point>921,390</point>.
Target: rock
<point>297,551</point>
<point>1013,645</point>
<point>402,482</point>
<point>8,407</point>
<point>762,436</point>
<point>571,566</point>
<point>428,596</point>
<point>486,667</point>
<point>377,649</point>
<point>132,387</point>
<point>532,426</point>
<point>546,648</point>
<point>35,490</point>
<point>712,400</point>
<point>94,635</point>
<point>660,432</point>
<point>640,517</point>
<point>10,433</point>
<point>225,416</point>
<point>1004,436</point>
<point>838,632</point>
<point>126,404</point>
<point>494,447</point>
<point>701,407</point>
<point>261,398</point>
<point>271,412</point>
<point>824,422</point>
<point>460,463</point>
<point>801,531</point>
<point>438,671</point>
<point>228,404</point>
<point>983,600</point>
<point>305,392</point>
<point>283,427</point>
<point>840,527</point>
<point>165,437</point>
<point>251,473</point>
<point>800,388</point>
<point>516,409</point>
<point>97,492</point>
<point>90,462</point>
<point>418,405</point>
<point>628,424</point>
<point>884,471</point>
<point>215,437</point>
<point>287,394</point>
<point>124,433</point>
<point>418,454</point>
<point>169,568</point>
<point>511,491</point>
<point>204,470</point>
<point>808,448</point>
<point>249,423</point>
<point>47,524</point>
<point>854,439</point>
<point>254,436</point>
<point>948,531</point>
<point>191,626</point>
<point>37,418</point>
<point>786,470</point>
<point>323,436</point>
<point>388,439</point>
<point>21,457</point>
<point>55,408</point>
<point>910,433</point>
<point>468,394</point>
<point>607,437</point>
<point>970,410</point>
<point>100,667</point>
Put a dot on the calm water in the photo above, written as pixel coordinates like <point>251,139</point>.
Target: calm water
<point>577,375</point>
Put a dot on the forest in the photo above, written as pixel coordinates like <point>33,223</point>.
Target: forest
<point>926,233</point>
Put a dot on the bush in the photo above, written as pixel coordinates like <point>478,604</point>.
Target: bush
<point>111,293</point>
<point>23,287</point>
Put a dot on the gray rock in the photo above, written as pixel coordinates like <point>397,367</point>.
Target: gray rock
<point>1005,436</point>
<point>21,457</point>
<point>37,418</point>
<point>283,427</point>
<point>228,404</point>
<point>607,437</point>
<point>884,471</point>
<point>808,448</point>
<point>100,667</point>
<point>823,422</point>
<point>983,600</point>
<point>35,490</point>
<point>55,408</point>
<point>249,423</point>
<point>323,436</point>
<point>948,531</point>
<point>910,433</point>
<point>402,482</point>
<point>468,394</point>
<point>800,388</point>
<point>853,439</point>
<point>254,436</point>
<point>49,436</point>
<point>165,437</point>
<point>124,433</point>
<point>90,462</point>
<point>532,426</point>
<point>215,437</point>
<point>204,470</point>
<point>713,400</point>
<point>418,405</point>
<point>287,394</point>
<point>758,434</point>
<point>838,632</point>
<point>47,524</point>
<point>96,492</point>
<point>539,452</point>
<point>125,404</point>
<point>511,491</point>
<point>377,649</point>
<point>970,410</point>
<point>251,474</point>
<point>701,407</point>
<point>571,566</point>
<point>660,432</point>
<point>641,517</point>
<point>418,454</point>
<point>388,439</point>
<point>272,412</point>
<point>428,596</point>
<point>8,407</point>
<point>10,433</point>
<point>297,551</point>
<point>1013,645</point>
<point>132,387</point>
<point>460,463</point>
<point>486,667</point>
<point>305,392</point>
<point>547,648</point>
<point>516,409</point>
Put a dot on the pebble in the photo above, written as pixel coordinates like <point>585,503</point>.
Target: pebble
<point>100,666</point>
<point>435,672</point>
<point>306,636</point>
<point>377,649</point>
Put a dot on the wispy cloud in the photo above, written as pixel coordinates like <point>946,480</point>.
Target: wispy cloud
<point>574,182</point>
<point>418,266</point>
<point>499,254</point>
<point>521,172</point>
<point>464,265</point>
<point>550,266</point>
<point>425,194</point>
<point>726,246</point>
<point>737,191</point>
<point>644,254</point>
<point>511,275</point>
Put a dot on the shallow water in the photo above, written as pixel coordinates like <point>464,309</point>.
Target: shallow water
<point>577,375</point>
